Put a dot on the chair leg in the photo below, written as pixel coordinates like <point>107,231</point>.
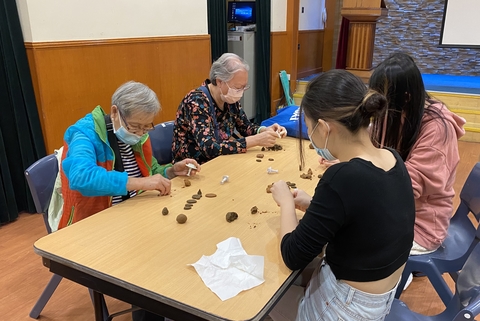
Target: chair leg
<point>106,315</point>
<point>405,274</point>
<point>45,296</point>
<point>440,287</point>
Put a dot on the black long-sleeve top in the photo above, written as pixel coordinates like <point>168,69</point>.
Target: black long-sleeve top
<point>365,214</point>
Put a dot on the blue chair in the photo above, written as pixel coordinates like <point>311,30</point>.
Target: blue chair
<point>41,178</point>
<point>461,239</point>
<point>161,139</point>
<point>464,305</point>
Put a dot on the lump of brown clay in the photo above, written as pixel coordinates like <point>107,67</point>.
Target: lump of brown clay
<point>309,172</point>
<point>306,176</point>
<point>259,160</point>
<point>181,218</point>
<point>199,192</point>
<point>291,185</point>
<point>165,211</point>
<point>269,188</point>
<point>187,182</point>
<point>210,195</point>
<point>320,175</point>
<point>263,149</point>
<point>310,146</point>
<point>275,147</point>
<point>196,196</point>
<point>260,155</point>
<point>192,201</point>
<point>231,216</point>
<point>254,210</point>
<point>271,159</point>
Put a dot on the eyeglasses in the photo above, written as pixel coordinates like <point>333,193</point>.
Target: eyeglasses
<point>239,90</point>
<point>136,129</point>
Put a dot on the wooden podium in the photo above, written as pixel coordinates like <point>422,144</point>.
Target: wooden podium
<point>363,16</point>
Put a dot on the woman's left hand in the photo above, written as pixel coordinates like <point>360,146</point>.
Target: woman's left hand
<point>181,168</point>
<point>281,193</point>
<point>282,131</point>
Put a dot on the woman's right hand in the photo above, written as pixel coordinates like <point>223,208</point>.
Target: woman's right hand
<point>154,182</point>
<point>302,200</point>
<point>266,138</point>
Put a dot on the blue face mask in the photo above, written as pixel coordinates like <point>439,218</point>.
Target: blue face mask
<point>125,136</point>
<point>322,152</point>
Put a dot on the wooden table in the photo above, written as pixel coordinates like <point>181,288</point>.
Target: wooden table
<point>134,253</point>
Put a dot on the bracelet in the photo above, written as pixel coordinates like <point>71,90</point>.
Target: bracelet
<point>260,128</point>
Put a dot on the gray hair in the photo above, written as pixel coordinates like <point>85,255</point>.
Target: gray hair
<point>226,66</point>
<point>132,97</point>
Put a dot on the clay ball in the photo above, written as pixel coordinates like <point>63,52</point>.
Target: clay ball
<point>181,218</point>
<point>231,216</point>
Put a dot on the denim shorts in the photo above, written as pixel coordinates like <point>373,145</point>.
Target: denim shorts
<point>329,299</point>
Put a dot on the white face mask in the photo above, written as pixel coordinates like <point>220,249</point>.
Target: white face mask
<point>232,95</point>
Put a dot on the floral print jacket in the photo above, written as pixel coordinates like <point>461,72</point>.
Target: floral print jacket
<point>195,135</point>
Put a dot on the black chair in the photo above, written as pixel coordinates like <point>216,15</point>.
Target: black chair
<point>161,139</point>
<point>455,249</point>
<point>464,305</point>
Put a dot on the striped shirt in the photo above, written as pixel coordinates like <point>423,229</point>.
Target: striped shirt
<point>129,165</point>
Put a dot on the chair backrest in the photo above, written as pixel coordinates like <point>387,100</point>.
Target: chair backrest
<point>41,177</point>
<point>161,139</point>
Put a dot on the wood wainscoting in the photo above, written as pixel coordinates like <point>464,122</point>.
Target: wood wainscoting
<point>70,78</point>
<point>310,52</point>
<point>279,61</point>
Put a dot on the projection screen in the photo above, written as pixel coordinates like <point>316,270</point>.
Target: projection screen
<point>461,24</point>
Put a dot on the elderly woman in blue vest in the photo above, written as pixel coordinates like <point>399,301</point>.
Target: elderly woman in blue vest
<point>208,116</point>
<point>108,158</point>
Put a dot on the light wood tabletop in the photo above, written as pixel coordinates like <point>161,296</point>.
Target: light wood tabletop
<point>134,246</point>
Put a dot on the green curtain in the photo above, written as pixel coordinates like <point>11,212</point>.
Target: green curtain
<point>21,140</point>
<point>262,57</point>
<point>217,27</point>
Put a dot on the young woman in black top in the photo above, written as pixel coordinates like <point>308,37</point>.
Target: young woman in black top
<point>362,209</point>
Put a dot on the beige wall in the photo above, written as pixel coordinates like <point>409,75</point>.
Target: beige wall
<point>53,20</point>
<point>279,15</point>
<point>312,17</point>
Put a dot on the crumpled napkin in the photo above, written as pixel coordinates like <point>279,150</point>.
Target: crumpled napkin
<point>230,269</point>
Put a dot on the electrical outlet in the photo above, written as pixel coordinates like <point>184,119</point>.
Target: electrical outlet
<point>303,9</point>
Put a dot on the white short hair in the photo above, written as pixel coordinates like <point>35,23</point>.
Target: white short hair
<point>226,66</point>
<point>133,97</point>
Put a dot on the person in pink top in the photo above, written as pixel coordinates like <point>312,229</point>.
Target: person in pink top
<point>425,134</point>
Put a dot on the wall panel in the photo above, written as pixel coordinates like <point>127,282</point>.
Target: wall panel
<point>310,54</point>
<point>279,61</point>
<point>72,77</point>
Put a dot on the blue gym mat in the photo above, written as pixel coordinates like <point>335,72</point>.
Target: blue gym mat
<point>453,84</point>
<point>443,83</point>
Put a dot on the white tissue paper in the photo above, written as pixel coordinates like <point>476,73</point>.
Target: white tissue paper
<point>230,269</point>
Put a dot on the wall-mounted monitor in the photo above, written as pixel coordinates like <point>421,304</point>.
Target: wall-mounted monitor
<point>241,12</point>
